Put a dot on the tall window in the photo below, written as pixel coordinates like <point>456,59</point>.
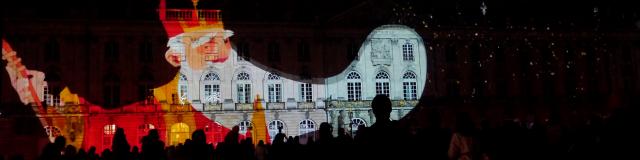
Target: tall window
<point>244,127</point>
<point>243,51</point>
<point>352,51</point>
<point>52,132</point>
<point>111,90</point>
<point>451,55</point>
<point>274,88</point>
<point>355,123</point>
<point>273,52</point>
<point>111,51</point>
<point>303,52</point>
<point>306,126</point>
<point>407,52</point>
<point>179,133</point>
<point>145,80</point>
<point>274,128</point>
<point>382,83</point>
<point>409,87</point>
<point>109,130</point>
<point>243,84</point>
<point>354,87</point>
<point>183,92</point>
<point>211,83</point>
<point>47,97</point>
<point>305,92</point>
<point>145,51</point>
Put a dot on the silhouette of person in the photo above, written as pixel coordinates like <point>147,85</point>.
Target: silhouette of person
<point>383,136</point>
<point>152,146</point>
<point>54,150</point>
<point>198,148</point>
<point>463,144</point>
<point>383,129</point>
<point>120,147</point>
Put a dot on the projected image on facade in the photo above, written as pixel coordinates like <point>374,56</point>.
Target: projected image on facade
<point>215,89</point>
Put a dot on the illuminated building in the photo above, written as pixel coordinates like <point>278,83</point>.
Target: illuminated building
<point>496,65</point>
<point>220,89</point>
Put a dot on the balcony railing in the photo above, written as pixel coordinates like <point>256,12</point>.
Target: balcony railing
<point>187,15</point>
<point>306,105</point>
<point>180,108</point>
<point>212,107</point>
<point>367,103</point>
<point>275,105</point>
<point>244,106</point>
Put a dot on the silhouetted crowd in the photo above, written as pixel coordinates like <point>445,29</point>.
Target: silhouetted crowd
<point>610,136</point>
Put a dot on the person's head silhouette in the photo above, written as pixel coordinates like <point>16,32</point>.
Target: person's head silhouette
<point>199,136</point>
<point>381,106</point>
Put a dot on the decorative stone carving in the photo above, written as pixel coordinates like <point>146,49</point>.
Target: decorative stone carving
<point>381,51</point>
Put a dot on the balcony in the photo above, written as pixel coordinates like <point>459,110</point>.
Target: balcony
<point>212,107</point>
<point>349,104</point>
<point>275,105</point>
<point>306,105</point>
<point>67,109</point>
<point>367,103</point>
<point>180,108</point>
<point>188,15</point>
<point>244,106</point>
<point>404,103</point>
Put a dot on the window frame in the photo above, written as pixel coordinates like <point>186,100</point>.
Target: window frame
<point>354,86</point>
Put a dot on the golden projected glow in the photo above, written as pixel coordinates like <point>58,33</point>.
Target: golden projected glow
<point>179,133</point>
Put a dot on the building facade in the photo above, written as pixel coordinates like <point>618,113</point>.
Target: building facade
<point>234,90</point>
<point>238,93</point>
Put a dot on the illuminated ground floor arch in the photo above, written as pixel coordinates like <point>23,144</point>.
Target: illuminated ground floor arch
<point>179,133</point>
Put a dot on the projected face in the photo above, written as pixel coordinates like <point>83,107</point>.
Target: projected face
<point>199,48</point>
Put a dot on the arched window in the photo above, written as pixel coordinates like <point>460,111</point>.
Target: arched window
<point>52,132</point>
<point>211,88</point>
<point>382,83</point>
<point>407,52</point>
<point>307,127</point>
<point>274,128</point>
<point>179,133</point>
<point>354,86</point>
<point>244,126</point>
<point>409,86</point>
<point>109,130</point>
<point>355,123</point>
<point>243,84</point>
<point>183,92</point>
<point>274,88</point>
<point>143,130</point>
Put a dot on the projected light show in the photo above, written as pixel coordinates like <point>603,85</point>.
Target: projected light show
<point>358,79</point>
